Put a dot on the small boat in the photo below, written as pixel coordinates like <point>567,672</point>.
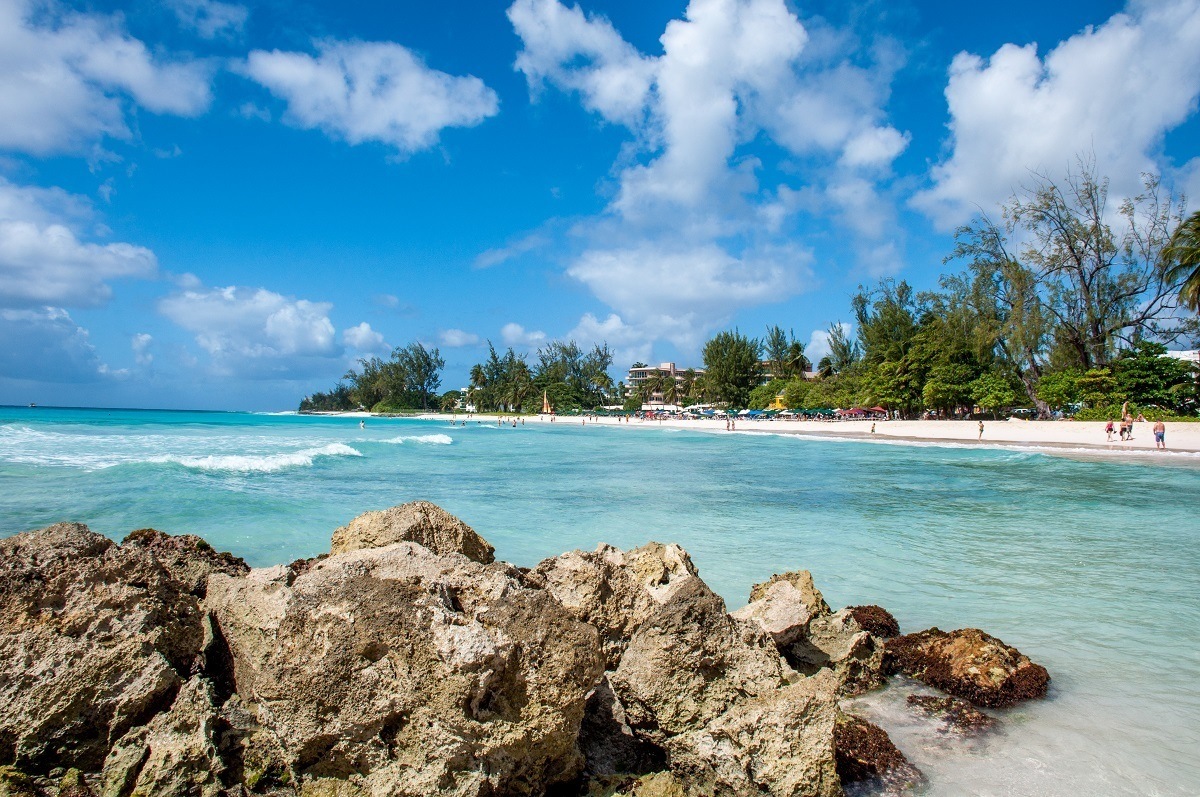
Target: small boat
<point>31,404</point>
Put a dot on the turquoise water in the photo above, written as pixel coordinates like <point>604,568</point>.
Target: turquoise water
<point>1090,567</point>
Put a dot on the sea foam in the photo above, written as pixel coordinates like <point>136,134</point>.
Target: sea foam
<point>262,463</point>
<point>424,439</point>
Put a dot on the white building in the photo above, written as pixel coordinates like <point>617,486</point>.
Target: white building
<point>1188,355</point>
<point>640,374</point>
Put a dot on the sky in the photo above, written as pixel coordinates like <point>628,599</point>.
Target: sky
<point>216,205</point>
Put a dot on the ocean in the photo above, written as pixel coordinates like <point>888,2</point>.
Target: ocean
<point>1088,565</point>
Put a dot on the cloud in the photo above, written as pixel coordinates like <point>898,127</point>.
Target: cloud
<point>584,54</point>
<point>818,342</point>
<point>46,345</point>
<point>524,245</point>
<point>629,344</point>
<point>140,343</point>
<point>514,334</point>
<point>210,18</point>
<point>44,262</point>
<point>692,235</point>
<point>371,91</point>
<point>1112,91</point>
<point>364,339</point>
<point>255,332</point>
<point>65,77</point>
<point>457,338</point>
<point>680,293</point>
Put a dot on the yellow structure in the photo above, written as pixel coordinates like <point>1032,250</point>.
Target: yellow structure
<point>777,403</point>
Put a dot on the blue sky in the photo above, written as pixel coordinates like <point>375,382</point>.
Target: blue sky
<point>222,205</point>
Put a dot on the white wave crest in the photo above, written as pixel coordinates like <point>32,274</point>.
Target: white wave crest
<point>265,463</point>
<point>424,439</point>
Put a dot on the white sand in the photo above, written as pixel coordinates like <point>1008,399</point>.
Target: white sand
<point>1079,435</point>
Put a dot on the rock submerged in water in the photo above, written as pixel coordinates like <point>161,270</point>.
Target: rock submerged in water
<point>969,664</point>
<point>409,662</point>
<point>957,715</point>
<point>875,620</point>
<point>865,755</point>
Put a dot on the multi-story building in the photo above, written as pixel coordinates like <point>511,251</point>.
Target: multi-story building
<point>639,374</point>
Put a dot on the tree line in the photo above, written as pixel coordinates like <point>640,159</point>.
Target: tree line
<point>407,380</point>
<point>1062,302</point>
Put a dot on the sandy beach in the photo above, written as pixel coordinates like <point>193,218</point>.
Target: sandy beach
<point>1086,436</point>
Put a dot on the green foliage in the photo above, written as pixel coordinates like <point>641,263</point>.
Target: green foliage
<point>1182,261</point>
<point>795,393</point>
<point>408,380</point>
<point>949,385</point>
<point>1112,412</point>
<point>1098,387</point>
<point>336,400</point>
<point>763,395</point>
<point>994,391</point>
<point>1059,389</point>
<point>1146,377</point>
<point>785,354</point>
<point>731,363</point>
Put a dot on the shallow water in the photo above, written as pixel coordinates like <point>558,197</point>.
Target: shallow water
<point>1090,567</point>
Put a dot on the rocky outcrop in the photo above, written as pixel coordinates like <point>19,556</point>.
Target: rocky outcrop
<point>411,673</point>
<point>613,590</point>
<point>957,715</point>
<point>95,639</point>
<point>969,664</point>
<point>875,620</point>
<point>409,662</point>
<point>866,755</point>
<point>421,522</point>
<point>810,637</point>
<point>188,558</point>
<point>712,691</point>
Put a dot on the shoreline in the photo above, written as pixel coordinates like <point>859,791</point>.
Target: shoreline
<point>1063,436</point>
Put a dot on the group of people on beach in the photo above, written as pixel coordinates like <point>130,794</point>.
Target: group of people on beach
<point>1126,429</point>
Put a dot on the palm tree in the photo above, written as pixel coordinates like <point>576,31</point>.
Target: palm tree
<point>1182,260</point>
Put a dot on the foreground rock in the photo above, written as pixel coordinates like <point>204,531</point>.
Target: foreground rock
<point>421,522</point>
<point>956,715</point>
<point>875,620</point>
<point>189,559</point>
<point>812,638</point>
<point>969,664</point>
<point>866,755</point>
<point>95,639</point>
<point>405,672</point>
<point>616,591</point>
<point>409,662</point>
<point>711,690</point>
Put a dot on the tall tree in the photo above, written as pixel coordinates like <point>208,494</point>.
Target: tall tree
<point>422,369</point>
<point>1182,260</point>
<point>731,362</point>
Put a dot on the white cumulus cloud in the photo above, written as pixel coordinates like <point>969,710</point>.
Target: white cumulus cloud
<point>513,334</point>
<point>140,343</point>
<point>46,345</point>
<point>43,260</point>
<point>256,332</point>
<point>1111,91</point>
<point>371,91</point>
<point>65,78</point>
<point>691,235</point>
<point>457,338</point>
<point>210,18</point>
<point>364,339</point>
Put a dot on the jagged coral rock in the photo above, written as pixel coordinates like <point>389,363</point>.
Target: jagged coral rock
<point>188,558</point>
<point>616,591</point>
<point>95,639</point>
<point>410,673</point>
<point>421,522</point>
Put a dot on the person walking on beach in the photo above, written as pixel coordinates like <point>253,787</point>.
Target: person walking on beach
<point>981,430</point>
<point>1109,429</point>
<point>1160,434</point>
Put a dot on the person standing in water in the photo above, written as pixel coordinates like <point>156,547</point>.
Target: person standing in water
<point>362,424</point>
